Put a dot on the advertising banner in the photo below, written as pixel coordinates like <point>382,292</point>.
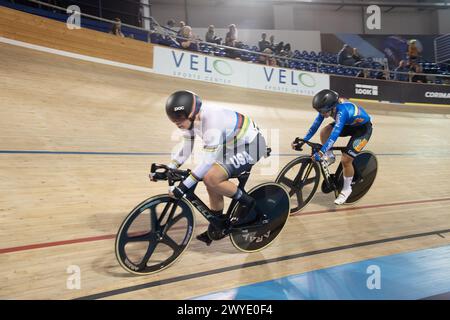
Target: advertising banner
<point>286,80</point>
<point>362,88</point>
<point>391,91</point>
<point>194,66</point>
<point>427,93</point>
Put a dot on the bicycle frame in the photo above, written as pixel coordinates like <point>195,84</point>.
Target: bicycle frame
<point>202,207</point>
<point>315,147</point>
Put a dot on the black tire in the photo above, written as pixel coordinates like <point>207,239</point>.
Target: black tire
<point>271,212</point>
<point>139,247</point>
<point>290,177</point>
<point>366,168</point>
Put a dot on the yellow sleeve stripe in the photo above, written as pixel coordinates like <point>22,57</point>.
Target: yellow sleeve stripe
<point>176,163</point>
<point>210,149</point>
<point>194,177</point>
<point>356,110</point>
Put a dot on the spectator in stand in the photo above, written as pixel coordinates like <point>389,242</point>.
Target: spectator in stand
<point>186,39</point>
<point>231,41</point>
<point>232,36</point>
<point>345,56</point>
<point>383,75</point>
<point>170,38</point>
<point>273,45</point>
<point>263,59</point>
<point>287,50</point>
<point>211,36</point>
<point>272,62</point>
<point>287,53</point>
<point>268,59</point>
<point>117,28</point>
<point>413,52</point>
<point>418,77</point>
<point>279,47</point>
<point>171,24</point>
<point>180,30</point>
<point>356,56</point>
<point>363,74</point>
<point>263,44</point>
<point>402,67</point>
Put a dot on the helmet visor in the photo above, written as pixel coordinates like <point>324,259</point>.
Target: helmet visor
<point>177,116</point>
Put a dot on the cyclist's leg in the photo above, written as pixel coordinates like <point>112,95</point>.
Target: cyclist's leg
<point>214,177</point>
<point>347,168</point>
<point>217,184</point>
<point>216,202</point>
<point>347,165</point>
<point>325,133</point>
<point>359,138</point>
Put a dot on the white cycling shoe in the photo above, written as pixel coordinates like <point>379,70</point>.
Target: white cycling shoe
<point>343,196</point>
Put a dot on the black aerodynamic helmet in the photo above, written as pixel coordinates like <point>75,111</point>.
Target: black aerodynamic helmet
<point>183,105</point>
<point>325,100</point>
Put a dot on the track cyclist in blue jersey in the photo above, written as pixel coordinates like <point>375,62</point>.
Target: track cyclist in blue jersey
<point>350,120</point>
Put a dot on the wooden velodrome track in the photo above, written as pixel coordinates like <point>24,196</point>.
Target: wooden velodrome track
<point>59,209</point>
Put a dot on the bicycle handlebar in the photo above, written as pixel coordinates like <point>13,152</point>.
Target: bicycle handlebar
<point>172,175</point>
<point>298,143</point>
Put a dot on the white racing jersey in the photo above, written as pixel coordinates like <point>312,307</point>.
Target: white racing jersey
<point>219,129</point>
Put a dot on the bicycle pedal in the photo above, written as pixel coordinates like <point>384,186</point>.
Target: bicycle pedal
<point>204,238</point>
<point>215,233</point>
<point>265,219</point>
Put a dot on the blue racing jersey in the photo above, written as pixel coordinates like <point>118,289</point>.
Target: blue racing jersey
<point>347,114</point>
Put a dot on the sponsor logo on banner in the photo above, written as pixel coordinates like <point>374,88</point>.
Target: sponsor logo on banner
<point>439,95</point>
<point>367,90</point>
<point>193,66</point>
<point>287,80</point>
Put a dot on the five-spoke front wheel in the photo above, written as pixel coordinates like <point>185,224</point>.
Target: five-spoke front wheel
<point>154,234</point>
<point>301,178</point>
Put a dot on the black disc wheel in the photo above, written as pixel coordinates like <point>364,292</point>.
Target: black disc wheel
<point>268,218</point>
<point>366,168</point>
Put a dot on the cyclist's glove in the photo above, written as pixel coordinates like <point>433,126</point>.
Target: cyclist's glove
<point>180,190</point>
<point>318,156</point>
<point>297,144</point>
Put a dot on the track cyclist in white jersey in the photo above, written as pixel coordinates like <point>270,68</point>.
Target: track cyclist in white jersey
<point>232,144</point>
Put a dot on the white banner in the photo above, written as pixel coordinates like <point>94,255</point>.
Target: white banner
<point>195,66</point>
<point>286,80</point>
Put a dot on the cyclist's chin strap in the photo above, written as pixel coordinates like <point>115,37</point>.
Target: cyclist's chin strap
<point>333,112</point>
<point>192,124</point>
